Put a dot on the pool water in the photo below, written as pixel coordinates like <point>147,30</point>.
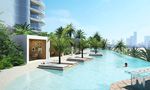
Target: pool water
<point>97,74</point>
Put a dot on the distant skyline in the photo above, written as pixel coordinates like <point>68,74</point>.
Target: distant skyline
<point>113,19</point>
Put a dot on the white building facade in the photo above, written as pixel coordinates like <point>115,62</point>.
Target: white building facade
<point>34,47</point>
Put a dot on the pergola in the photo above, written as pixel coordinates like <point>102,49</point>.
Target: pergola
<point>139,76</point>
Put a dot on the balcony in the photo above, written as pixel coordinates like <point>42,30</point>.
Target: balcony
<point>37,7</point>
<point>36,16</point>
<point>38,2</point>
<point>40,21</point>
<point>37,11</point>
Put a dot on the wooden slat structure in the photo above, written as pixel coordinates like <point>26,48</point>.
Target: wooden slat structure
<point>140,80</point>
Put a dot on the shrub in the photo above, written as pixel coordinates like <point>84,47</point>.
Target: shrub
<point>17,59</point>
<point>5,63</point>
<point>10,53</point>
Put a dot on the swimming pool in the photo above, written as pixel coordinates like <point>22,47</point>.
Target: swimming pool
<point>97,74</point>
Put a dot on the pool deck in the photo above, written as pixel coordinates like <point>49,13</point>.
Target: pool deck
<point>66,62</point>
<point>126,85</point>
<point>8,75</point>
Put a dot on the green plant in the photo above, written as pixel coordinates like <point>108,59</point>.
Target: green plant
<point>134,52</point>
<point>83,45</point>
<point>104,44</point>
<point>17,57</point>
<point>5,63</point>
<point>59,41</point>
<point>79,34</point>
<point>120,47</point>
<point>42,34</point>
<point>10,53</point>
<point>23,29</point>
<point>145,54</point>
<point>70,30</point>
<point>94,43</point>
<point>97,36</point>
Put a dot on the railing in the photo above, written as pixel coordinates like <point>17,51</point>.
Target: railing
<point>39,2</point>
<point>37,7</point>
<point>36,17</point>
<point>39,21</point>
<point>37,11</point>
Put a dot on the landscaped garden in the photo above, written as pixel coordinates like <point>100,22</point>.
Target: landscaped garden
<point>62,42</point>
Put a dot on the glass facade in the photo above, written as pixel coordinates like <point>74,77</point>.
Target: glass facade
<point>37,15</point>
<point>19,11</point>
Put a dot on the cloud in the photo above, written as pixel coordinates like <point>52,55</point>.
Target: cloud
<point>57,18</point>
<point>61,13</point>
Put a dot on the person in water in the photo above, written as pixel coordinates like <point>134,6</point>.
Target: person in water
<point>125,64</point>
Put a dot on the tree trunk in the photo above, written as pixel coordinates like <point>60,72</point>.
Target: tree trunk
<point>95,51</point>
<point>59,57</point>
<point>79,47</point>
<point>82,53</point>
<point>72,50</point>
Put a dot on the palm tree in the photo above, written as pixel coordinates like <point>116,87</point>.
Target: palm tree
<point>134,51</point>
<point>59,41</point>
<point>83,45</point>
<point>59,31</point>
<point>145,53</point>
<point>70,30</point>
<point>23,29</point>
<point>97,36</point>
<point>79,35</point>
<point>94,43</point>
<point>104,44</point>
<point>120,46</point>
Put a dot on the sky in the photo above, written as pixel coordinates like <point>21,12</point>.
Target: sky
<point>113,19</point>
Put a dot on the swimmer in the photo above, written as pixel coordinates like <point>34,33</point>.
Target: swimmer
<point>125,64</point>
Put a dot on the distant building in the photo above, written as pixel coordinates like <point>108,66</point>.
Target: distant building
<point>147,41</point>
<point>132,40</point>
<point>20,11</point>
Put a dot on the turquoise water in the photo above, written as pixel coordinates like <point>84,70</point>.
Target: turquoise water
<point>97,74</point>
